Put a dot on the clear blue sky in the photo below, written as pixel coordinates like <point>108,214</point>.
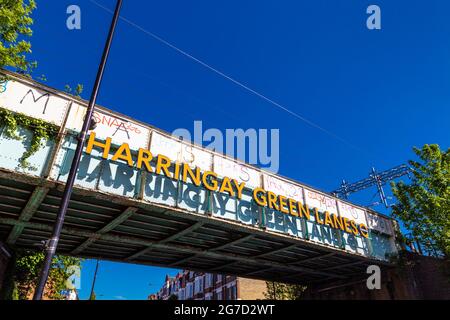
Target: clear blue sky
<point>383,91</point>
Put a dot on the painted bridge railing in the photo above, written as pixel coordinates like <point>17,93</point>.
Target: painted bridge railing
<point>117,178</point>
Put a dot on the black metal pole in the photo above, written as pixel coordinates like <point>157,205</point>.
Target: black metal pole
<point>93,281</point>
<point>52,243</point>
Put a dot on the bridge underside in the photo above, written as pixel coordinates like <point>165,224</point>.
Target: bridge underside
<point>127,230</point>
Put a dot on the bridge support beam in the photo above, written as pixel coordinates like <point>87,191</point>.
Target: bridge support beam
<point>290,276</point>
<point>224,265</point>
<point>127,213</point>
<point>172,247</point>
<point>343,265</point>
<point>226,245</point>
<point>168,239</point>
<point>313,258</point>
<point>234,242</point>
<point>275,251</point>
<point>258,271</point>
<point>30,208</point>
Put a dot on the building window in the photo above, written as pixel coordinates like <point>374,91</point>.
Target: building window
<point>208,280</point>
<point>196,285</point>
<point>181,294</point>
<point>189,290</point>
<point>233,292</point>
<point>202,283</point>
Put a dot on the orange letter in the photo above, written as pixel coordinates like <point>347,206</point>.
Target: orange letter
<point>146,160</point>
<point>318,220</point>
<point>226,186</point>
<point>263,201</point>
<point>176,171</point>
<point>354,228</point>
<point>239,188</point>
<point>194,177</point>
<point>347,225</point>
<point>338,222</point>
<point>328,220</point>
<point>303,210</point>
<point>210,186</point>
<point>272,200</point>
<point>292,207</point>
<point>162,162</point>
<point>363,230</point>
<point>105,146</point>
<point>119,154</point>
<point>283,204</point>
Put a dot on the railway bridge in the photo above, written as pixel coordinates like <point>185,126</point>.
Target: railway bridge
<point>141,196</point>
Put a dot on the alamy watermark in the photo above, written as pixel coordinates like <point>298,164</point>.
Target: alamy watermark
<point>73,21</point>
<point>74,281</point>
<point>255,146</point>
<point>374,20</point>
<point>374,280</point>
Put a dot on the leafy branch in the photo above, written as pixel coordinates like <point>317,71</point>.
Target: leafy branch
<point>15,22</point>
<point>76,92</point>
<point>424,204</point>
<point>27,265</point>
<point>41,131</point>
<point>283,291</point>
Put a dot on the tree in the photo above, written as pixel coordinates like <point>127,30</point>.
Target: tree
<point>15,22</point>
<point>25,271</point>
<point>76,92</point>
<point>283,291</point>
<point>424,204</point>
<point>15,28</point>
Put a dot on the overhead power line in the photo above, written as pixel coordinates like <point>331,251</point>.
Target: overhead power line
<point>238,83</point>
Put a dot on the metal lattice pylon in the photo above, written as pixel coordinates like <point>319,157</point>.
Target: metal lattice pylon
<point>378,179</point>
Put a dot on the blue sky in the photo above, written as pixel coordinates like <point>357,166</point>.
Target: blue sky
<point>383,91</point>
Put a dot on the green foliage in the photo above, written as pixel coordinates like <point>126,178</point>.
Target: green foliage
<point>41,132</point>
<point>15,22</point>
<point>424,204</point>
<point>93,296</point>
<point>15,293</point>
<point>26,271</point>
<point>42,78</point>
<point>76,92</point>
<point>283,291</point>
<point>173,297</point>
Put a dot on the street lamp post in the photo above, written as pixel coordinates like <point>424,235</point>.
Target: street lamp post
<point>93,281</point>
<point>51,244</point>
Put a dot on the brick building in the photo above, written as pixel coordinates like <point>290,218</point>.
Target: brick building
<point>190,285</point>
